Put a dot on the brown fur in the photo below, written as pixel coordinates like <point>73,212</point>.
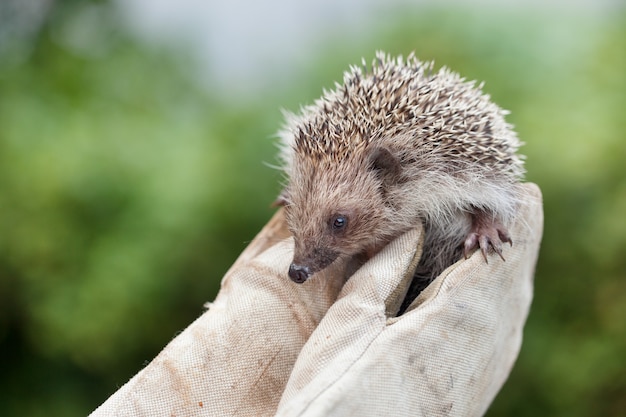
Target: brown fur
<point>395,145</point>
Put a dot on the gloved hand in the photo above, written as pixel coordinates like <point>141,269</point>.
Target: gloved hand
<point>268,346</point>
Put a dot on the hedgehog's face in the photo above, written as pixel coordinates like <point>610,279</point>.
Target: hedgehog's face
<point>334,212</point>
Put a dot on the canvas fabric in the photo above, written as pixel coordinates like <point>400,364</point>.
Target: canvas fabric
<point>267,346</point>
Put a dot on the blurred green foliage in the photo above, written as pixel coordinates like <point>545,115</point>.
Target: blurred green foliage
<point>126,191</point>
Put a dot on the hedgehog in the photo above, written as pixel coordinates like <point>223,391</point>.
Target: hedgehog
<point>394,146</point>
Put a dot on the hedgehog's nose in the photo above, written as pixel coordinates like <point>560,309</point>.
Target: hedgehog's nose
<point>299,273</point>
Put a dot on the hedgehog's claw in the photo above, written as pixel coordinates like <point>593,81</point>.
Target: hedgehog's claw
<point>487,233</point>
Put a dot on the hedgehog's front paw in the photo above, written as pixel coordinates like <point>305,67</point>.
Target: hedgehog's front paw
<point>487,232</point>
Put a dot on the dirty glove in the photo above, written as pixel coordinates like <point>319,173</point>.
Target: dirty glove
<point>268,346</point>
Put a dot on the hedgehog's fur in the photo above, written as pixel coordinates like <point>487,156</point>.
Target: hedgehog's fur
<point>394,145</point>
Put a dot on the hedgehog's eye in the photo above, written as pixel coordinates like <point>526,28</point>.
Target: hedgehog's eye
<point>338,222</point>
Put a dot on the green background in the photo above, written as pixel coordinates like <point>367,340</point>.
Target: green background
<point>127,190</point>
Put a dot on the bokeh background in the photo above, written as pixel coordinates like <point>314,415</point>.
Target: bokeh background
<point>135,138</point>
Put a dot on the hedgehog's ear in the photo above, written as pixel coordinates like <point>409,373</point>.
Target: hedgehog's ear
<point>385,164</point>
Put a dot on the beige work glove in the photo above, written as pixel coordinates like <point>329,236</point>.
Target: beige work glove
<point>268,346</point>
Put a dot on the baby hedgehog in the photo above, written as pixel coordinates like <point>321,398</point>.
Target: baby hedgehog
<point>394,146</point>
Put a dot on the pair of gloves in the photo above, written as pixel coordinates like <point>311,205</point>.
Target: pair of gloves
<point>267,346</point>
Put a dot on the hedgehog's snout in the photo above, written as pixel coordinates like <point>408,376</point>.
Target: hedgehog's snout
<point>304,266</point>
<point>299,273</point>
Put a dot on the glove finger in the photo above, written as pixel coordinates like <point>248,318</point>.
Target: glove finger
<point>236,358</point>
<point>354,321</point>
<point>382,282</point>
<point>526,231</point>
